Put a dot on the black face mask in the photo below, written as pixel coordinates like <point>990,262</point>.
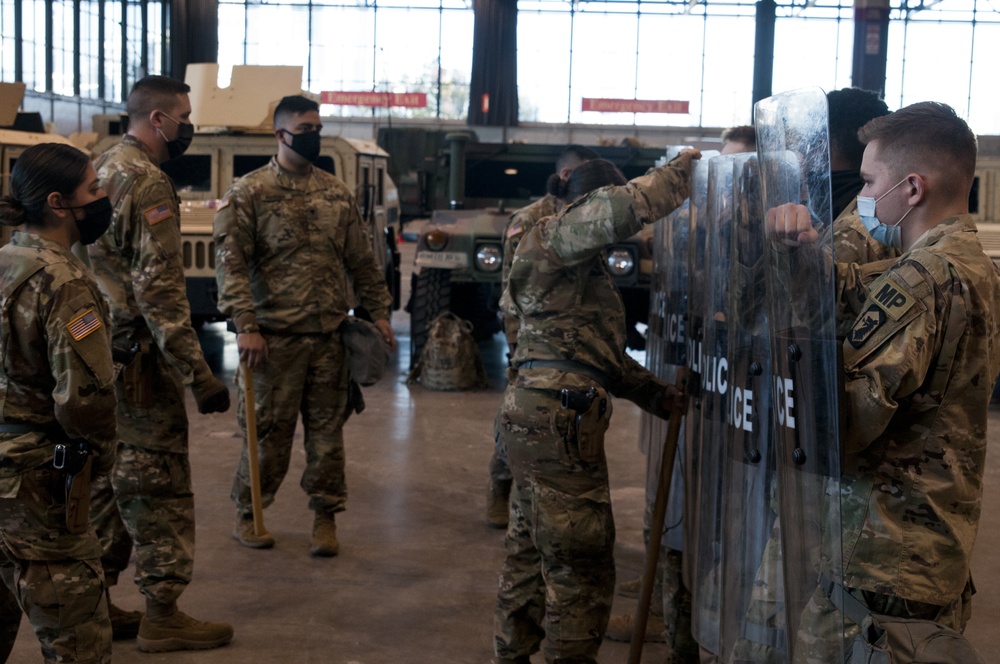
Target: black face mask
<point>96,219</point>
<point>305,144</point>
<point>178,146</point>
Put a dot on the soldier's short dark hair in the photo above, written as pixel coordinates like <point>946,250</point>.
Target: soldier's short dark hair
<point>293,105</point>
<point>928,135</point>
<point>39,171</point>
<point>850,109</point>
<point>573,156</point>
<point>588,176</point>
<point>746,134</point>
<point>152,93</point>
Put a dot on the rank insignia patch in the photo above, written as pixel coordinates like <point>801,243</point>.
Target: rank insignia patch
<point>83,325</point>
<point>158,213</point>
<point>866,325</point>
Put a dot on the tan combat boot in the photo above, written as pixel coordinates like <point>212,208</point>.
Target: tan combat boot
<point>165,627</point>
<point>498,503</point>
<point>324,536</point>
<point>620,628</point>
<point>124,624</point>
<point>245,535</point>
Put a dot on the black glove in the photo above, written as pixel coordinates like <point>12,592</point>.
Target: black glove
<point>211,394</point>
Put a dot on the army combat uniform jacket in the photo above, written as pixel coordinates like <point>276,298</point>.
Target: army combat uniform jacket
<point>285,249</point>
<point>57,380</point>
<point>520,223</point>
<point>920,361</point>
<point>138,261</point>
<point>568,305</point>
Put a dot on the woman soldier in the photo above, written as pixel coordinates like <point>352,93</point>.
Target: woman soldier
<point>57,402</point>
<point>558,578</point>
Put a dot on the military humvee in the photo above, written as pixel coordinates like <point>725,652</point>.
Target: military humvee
<point>459,255</point>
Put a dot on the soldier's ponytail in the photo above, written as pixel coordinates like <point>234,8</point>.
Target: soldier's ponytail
<point>39,171</point>
<point>11,211</point>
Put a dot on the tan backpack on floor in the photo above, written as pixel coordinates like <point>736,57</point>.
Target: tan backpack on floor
<point>450,359</point>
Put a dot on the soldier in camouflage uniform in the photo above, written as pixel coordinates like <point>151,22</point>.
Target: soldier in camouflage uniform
<point>139,269</point>
<point>558,577</point>
<point>920,361</point>
<point>56,392</point>
<point>288,239</point>
<point>498,490</point>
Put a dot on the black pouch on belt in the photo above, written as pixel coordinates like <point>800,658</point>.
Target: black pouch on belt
<point>75,461</point>
<point>593,413</point>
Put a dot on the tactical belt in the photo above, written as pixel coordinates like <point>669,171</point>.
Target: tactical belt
<point>17,428</point>
<point>569,366</point>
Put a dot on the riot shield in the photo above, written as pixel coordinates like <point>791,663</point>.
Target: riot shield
<point>666,352</point>
<point>793,150</point>
<point>752,622</point>
<point>694,326</point>
<point>714,224</point>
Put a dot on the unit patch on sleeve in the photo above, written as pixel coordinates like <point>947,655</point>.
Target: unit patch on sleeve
<point>866,325</point>
<point>84,325</point>
<point>158,213</point>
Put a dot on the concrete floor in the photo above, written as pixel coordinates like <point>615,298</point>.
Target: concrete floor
<point>416,578</point>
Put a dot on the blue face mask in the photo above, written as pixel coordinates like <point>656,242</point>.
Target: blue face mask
<point>890,236</point>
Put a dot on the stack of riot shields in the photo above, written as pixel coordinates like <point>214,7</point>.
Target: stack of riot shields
<point>761,465</point>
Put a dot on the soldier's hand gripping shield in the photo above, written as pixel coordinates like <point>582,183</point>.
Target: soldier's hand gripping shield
<point>752,620</point>
<point>793,150</point>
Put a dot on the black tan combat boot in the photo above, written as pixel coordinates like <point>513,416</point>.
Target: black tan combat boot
<point>124,624</point>
<point>244,533</point>
<point>324,536</point>
<point>498,502</point>
<point>165,628</point>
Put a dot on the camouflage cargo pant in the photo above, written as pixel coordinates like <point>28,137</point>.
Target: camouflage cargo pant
<point>303,374</point>
<point>116,545</point>
<point>152,486</point>
<point>63,595</point>
<point>818,640</point>
<point>558,578</point>
<point>499,467</point>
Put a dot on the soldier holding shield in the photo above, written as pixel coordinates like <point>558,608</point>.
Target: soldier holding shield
<point>919,363</point>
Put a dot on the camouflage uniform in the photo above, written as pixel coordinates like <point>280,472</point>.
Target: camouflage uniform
<point>138,267</point>
<point>558,578</point>
<point>273,229</point>
<point>56,384</point>
<point>519,223</point>
<point>920,361</point>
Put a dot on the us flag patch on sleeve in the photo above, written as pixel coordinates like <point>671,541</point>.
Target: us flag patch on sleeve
<point>158,213</point>
<point>84,325</point>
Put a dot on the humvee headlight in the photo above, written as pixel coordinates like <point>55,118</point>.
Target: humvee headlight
<point>436,239</point>
<point>621,262</point>
<point>489,257</point>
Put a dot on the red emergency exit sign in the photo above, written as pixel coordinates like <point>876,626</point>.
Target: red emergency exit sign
<point>380,99</point>
<point>634,105</point>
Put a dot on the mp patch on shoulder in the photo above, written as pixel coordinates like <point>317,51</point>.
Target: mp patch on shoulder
<point>893,299</point>
<point>84,325</point>
<point>158,213</point>
<point>866,325</point>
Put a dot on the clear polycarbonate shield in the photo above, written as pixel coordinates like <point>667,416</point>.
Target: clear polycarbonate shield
<point>714,226</point>
<point>752,622</point>
<point>666,352</point>
<point>695,329</point>
<point>793,149</point>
